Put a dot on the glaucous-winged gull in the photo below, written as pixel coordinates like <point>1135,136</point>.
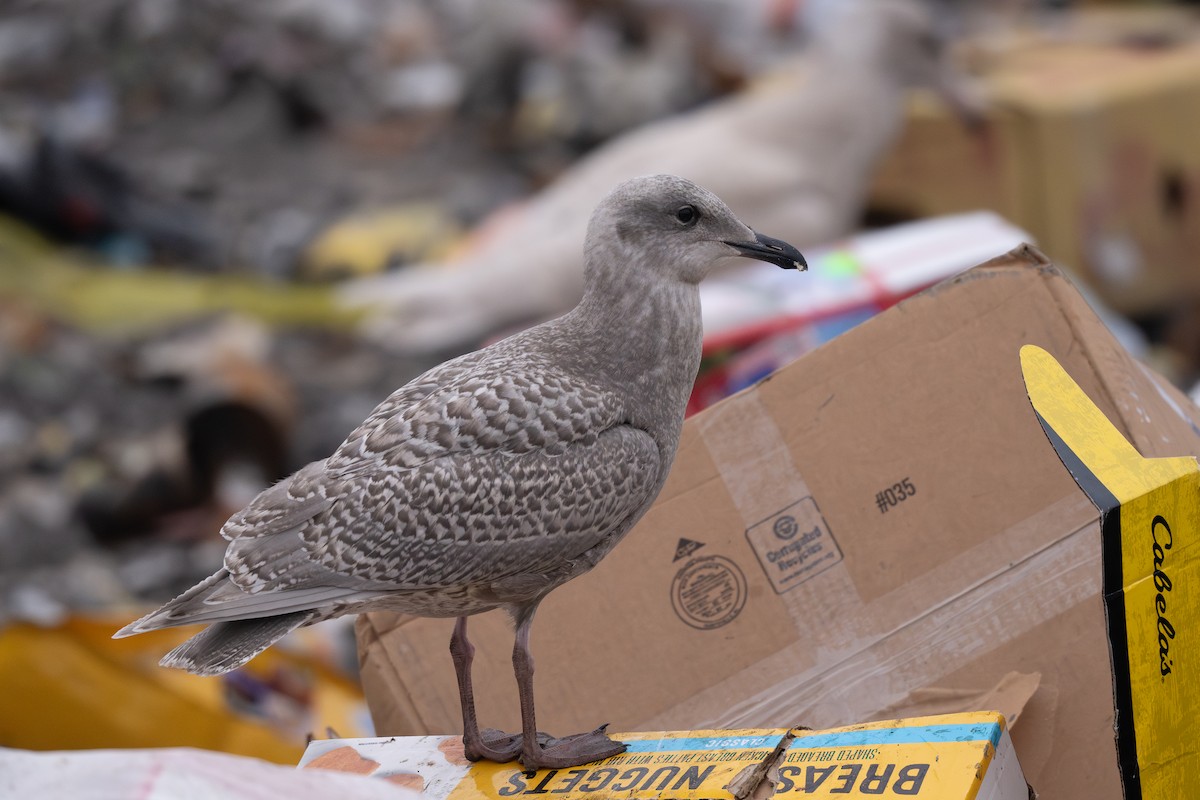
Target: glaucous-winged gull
<point>495,477</point>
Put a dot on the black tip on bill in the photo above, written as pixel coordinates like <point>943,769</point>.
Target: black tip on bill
<point>773,251</point>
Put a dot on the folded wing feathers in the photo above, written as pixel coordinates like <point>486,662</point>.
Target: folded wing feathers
<point>217,599</point>
<point>167,616</point>
<point>228,645</point>
<point>289,503</point>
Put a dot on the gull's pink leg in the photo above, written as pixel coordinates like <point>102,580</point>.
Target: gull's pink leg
<point>489,744</point>
<point>538,750</point>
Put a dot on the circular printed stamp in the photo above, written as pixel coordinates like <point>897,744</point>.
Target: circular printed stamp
<point>708,592</point>
<point>785,527</point>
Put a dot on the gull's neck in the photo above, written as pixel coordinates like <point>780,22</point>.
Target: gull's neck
<point>642,337</point>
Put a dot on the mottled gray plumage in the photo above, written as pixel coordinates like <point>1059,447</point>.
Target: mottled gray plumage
<point>497,476</point>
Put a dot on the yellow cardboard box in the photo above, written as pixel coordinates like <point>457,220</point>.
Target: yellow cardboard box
<point>950,757</point>
<point>1149,518</point>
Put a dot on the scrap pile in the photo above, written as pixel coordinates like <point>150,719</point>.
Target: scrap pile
<point>227,135</point>
<point>176,161</point>
<point>223,139</point>
<point>229,229</point>
<point>178,184</point>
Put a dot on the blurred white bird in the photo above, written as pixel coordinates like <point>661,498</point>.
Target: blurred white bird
<point>794,153</point>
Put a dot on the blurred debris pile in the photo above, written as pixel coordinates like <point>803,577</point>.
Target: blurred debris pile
<point>796,152</point>
<point>228,135</point>
<point>1090,148</point>
<point>81,197</point>
<point>233,158</point>
<point>172,173</point>
<point>121,457</point>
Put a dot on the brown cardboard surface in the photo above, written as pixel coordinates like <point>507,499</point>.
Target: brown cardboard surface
<point>990,565</point>
<point>1009,697</point>
<point>1089,147</point>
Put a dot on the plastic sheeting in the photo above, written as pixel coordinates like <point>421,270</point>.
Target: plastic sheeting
<point>176,774</point>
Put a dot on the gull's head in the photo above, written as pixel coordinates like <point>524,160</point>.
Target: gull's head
<point>674,230</point>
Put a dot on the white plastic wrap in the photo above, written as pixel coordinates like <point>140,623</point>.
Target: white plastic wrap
<point>176,774</point>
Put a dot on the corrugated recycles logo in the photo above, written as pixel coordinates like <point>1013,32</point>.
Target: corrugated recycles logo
<point>793,544</point>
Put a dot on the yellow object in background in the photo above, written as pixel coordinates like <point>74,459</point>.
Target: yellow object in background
<point>370,242</point>
<point>74,687</point>
<point>67,286</point>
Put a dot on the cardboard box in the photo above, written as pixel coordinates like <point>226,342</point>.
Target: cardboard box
<point>1090,147</point>
<point>955,757</point>
<point>756,320</point>
<point>879,530</point>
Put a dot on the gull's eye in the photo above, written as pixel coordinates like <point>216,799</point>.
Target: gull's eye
<point>687,215</point>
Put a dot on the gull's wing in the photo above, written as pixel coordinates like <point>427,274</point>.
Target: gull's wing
<point>461,520</point>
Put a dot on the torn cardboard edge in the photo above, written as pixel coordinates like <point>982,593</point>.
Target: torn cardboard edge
<point>1009,696</point>
<point>968,756</point>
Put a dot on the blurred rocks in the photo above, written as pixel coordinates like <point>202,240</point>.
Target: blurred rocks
<point>121,458</point>
<point>79,197</point>
<point>284,140</point>
<point>796,156</point>
<point>227,135</point>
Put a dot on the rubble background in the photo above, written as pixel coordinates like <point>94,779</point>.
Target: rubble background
<point>262,122</point>
<point>222,138</point>
<point>182,184</point>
